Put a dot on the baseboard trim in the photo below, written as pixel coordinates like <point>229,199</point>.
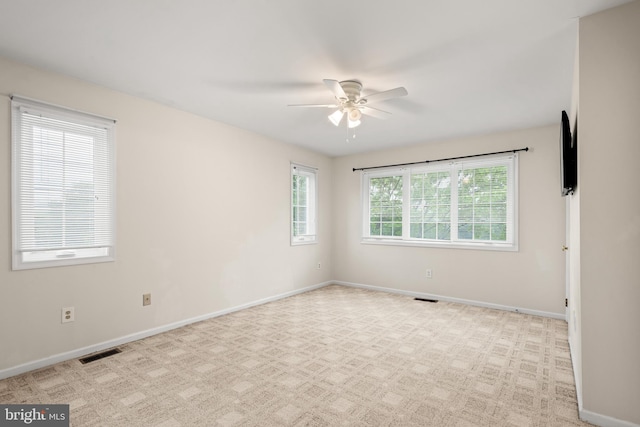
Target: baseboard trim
<point>559,316</point>
<point>73,354</point>
<point>604,420</point>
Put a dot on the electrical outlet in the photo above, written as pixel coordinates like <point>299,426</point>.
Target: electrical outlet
<point>68,314</point>
<point>429,274</point>
<point>146,299</point>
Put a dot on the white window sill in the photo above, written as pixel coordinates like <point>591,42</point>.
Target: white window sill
<point>504,247</point>
<point>304,242</point>
<point>59,258</point>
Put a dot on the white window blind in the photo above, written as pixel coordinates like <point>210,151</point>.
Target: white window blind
<point>303,204</point>
<point>430,211</point>
<point>63,189</point>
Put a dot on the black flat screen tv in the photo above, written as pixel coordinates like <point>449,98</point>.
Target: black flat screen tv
<point>568,157</point>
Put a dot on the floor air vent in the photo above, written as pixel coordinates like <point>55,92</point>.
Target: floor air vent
<point>99,356</point>
<point>426,299</point>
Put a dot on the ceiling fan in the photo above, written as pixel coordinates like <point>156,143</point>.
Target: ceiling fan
<point>351,102</point>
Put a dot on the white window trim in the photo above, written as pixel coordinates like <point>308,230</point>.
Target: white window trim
<point>406,172</point>
<point>64,257</point>
<point>311,238</point>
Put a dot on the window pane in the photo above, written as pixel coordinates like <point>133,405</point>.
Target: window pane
<point>499,232</point>
<point>63,188</point>
<point>375,213</point>
<point>430,213</point>
<point>444,231</point>
<point>416,231</point>
<point>444,192</point>
<point>499,212</point>
<point>465,213</point>
<point>465,230</point>
<point>431,202</point>
<point>387,229</point>
<point>397,229</point>
<point>481,213</point>
<point>302,213</point>
<point>301,197</point>
<point>397,213</point>
<point>387,213</point>
<point>429,230</point>
<point>416,188</point>
<point>444,213</point>
<point>482,195</point>
<point>300,229</point>
<point>303,204</point>
<point>385,197</point>
<point>374,229</point>
<point>481,232</point>
<point>417,212</point>
<point>499,196</point>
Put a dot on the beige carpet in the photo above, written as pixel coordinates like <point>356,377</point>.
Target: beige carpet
<point>335,356</point>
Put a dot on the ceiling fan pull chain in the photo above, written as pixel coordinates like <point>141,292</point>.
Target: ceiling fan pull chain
<point>347,127</point>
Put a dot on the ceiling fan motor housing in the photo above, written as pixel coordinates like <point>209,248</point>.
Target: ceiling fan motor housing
<point>352,89</point>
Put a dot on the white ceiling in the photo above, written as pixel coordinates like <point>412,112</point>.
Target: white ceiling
<point>470,67</point>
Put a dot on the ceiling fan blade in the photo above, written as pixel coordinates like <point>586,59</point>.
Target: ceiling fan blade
<point>375,112</point>
<point>387,94</point>
<point>314,105</point>
<point>334,86</point>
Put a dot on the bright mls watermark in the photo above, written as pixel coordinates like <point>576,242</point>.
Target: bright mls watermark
<point>34,415</point>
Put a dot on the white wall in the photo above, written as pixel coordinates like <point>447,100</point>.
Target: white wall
<point>609,152</point>
<point>202,224</point>
<point>532,278</point>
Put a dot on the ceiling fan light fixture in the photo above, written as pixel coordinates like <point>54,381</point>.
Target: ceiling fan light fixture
<point>355,114</point>
<point>336,117</point>
<point>350,102</point>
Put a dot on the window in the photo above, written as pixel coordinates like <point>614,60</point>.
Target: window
<point>385,206</point>
<point>303,204</point>
<point>63,189</point>
<point>459,204</point>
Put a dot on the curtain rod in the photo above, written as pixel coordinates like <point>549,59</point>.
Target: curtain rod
<point>442,160</point>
